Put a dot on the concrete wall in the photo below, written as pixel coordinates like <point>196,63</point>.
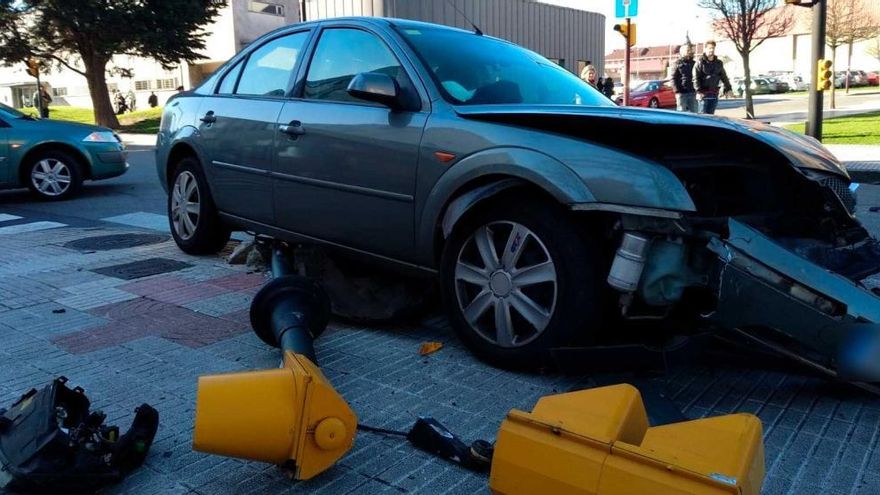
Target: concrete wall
<point>556,32</point>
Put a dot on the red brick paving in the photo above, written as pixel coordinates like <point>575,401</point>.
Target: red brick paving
<point>154,285</point>
<point>189,293</point>
<point>239,281</point>
<point>142,318</point>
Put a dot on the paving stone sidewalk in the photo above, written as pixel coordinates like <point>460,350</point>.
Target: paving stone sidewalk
<point>148,339</point>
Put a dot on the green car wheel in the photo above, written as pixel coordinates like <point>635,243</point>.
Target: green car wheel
<point>54,175</point>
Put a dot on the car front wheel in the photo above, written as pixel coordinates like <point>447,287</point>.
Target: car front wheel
<point>654,103</point>
<point>192,216</point>
<point>520,280</point>
<point>54,175</point>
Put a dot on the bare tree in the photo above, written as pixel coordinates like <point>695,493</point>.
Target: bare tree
<point>873,49</point>
<point>861,27</point>
<point>748,23</point>
<point>845,23</point>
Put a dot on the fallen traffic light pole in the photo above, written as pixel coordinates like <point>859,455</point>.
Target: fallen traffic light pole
<point>589,442</point>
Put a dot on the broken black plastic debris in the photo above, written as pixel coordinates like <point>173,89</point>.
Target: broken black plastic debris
<point>50,441</point>
<point>59,310</point>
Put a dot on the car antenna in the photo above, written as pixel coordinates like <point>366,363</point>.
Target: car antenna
<point>477,30</point>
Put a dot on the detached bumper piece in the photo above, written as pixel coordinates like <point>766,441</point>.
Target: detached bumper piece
<point>820,317</point>
<point>597,442</point>
<point>50,441</point>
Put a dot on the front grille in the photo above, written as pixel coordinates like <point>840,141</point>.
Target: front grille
<point>841,189</point>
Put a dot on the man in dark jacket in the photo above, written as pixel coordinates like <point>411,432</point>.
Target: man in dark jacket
<point>683,80</point>
<point>708,73</point>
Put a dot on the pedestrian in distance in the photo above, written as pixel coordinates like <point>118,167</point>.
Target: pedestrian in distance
<point>608,88</point>
<point>153,100</point>
<point>708,75</point>
<point>588,74</point>
<point>683,80</point>
<point>130,100</point>
<point>43,99</point>
<point>121,106</point>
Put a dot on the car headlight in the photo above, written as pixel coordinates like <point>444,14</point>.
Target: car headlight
<point>101,137</point>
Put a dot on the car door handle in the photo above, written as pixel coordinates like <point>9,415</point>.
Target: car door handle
<point>293,129</point>
<point>209,118</point>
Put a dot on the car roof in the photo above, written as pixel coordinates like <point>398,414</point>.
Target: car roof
<point>380,21</point>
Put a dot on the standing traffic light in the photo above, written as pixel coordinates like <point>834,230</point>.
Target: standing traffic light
<point>825,76</point>
<point>627,31</point>
<point>33,67</point>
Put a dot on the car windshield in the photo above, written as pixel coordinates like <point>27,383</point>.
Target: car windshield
<point>647,86</point>
<point>9,112</point>
<point>478,70</point>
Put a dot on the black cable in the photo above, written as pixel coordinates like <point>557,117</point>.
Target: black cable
<point>381,431</point>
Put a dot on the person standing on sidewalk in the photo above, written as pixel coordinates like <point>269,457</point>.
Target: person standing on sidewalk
<point>43,98</point>
<point>683,80</point>
<point>708,73</point>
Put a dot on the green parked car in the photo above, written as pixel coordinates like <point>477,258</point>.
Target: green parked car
<point>53,157</point>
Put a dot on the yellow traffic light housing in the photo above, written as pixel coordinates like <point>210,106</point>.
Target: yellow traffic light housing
<point>825,75</point>
<point>288,416</point>
<point>597,442</point>
<point>33,67</point>
<point>628,32</point>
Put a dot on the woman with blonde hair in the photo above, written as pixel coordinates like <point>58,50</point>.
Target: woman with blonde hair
<point>588,74</point>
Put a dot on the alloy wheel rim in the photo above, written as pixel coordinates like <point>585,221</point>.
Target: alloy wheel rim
<point>185,205</point>
<point>51,177</point>
<point>510,299</point>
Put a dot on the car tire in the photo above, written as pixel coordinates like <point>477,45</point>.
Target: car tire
<point>654,103</point>
<point>195,225</point>
<point>547,308</point>
<point>54,175</point>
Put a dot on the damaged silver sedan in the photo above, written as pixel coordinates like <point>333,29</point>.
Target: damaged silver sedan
<point>551,216</point>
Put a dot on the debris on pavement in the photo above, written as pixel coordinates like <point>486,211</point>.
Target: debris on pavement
<point>429,348</point>
<point>50,441</point>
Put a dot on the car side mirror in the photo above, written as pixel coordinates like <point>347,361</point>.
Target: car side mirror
<point>376,87</point>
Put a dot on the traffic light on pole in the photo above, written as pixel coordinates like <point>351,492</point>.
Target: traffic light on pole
<point>33,67</point>
<point>824,76</point>
<point>628,32</point>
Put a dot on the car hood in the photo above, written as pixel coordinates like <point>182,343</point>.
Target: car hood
<point>801,151</point>
<point>61,126</point>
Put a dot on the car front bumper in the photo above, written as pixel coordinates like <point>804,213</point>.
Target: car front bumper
<point>109,160</point>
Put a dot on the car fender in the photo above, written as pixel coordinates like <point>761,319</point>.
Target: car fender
<point>185,136</point>
<point>511,166</point>
<point>17,156</point>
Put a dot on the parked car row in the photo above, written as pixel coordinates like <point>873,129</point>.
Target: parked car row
<point>856,78</point>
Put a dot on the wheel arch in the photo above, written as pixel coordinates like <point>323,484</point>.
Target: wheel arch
<point>484,176</point>
<point>73,151</point>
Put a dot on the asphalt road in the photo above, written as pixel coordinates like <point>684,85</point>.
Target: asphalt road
<point>136,193</point>
<point>793,108</point>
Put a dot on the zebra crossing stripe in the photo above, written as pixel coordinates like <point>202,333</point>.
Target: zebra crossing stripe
<point>5,217</point>
<point>30,227</point>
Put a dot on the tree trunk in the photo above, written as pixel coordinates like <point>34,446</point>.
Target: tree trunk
<point>95,75</point>
<point>848,64</point>
<point>747,90</point>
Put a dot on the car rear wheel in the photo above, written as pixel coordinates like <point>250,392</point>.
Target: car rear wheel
<point>519,280</point>
<point>54,175</point>
<point>654,103</point>
<point>192,216</point>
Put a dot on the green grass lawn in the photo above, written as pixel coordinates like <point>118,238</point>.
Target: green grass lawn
<point>138,122</point>
<point>856,129</point>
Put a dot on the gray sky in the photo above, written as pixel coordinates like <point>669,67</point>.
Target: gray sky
<point>659,22</point>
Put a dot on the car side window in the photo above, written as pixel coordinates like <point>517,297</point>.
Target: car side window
<point>343,53</point>
<point>227,86</point>
<point>269,68</point>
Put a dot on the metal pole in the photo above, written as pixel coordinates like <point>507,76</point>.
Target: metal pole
<point>814,115</point>
<point>626,66</point>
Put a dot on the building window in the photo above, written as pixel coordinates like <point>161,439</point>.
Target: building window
<point>142,85</point>
<point>59,91</point>
<point>169,83</point>
<point>266,8</point>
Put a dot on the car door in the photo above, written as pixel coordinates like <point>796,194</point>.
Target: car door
<point>238,126</point>
<point>347,173</point>
<point>667,95</point>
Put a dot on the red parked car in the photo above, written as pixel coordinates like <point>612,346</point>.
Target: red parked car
<point>873,79</point>
<point>653,94</point>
